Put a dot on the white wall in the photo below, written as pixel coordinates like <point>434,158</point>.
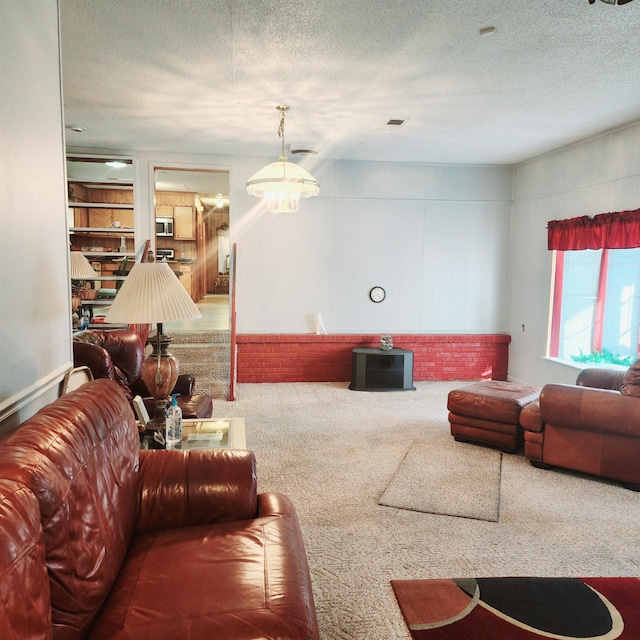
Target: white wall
<point>435,237</point>
<point>35,327</point>
<point>596,176</point>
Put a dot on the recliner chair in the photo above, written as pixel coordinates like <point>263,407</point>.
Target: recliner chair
<point>117,354</point>
<point>592,426</point>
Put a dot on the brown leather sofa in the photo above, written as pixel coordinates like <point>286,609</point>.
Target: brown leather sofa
<point>117,354</point>
<point>100,540</point>
<point>592,427</point>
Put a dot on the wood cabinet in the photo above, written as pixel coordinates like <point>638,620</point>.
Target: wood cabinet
<point>186,278</point>
<point>107,217</point>
<point>184,223</point>
<point>164,211</point>
<point>184,209</point>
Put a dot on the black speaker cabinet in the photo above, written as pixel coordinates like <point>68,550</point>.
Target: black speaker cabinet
<point>378,370</point>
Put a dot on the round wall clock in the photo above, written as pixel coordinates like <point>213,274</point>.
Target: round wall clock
<point>377,294</point>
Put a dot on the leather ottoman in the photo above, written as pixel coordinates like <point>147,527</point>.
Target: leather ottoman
<point>488,412</point>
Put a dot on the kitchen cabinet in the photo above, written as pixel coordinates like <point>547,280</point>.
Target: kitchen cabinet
<point>186,277</point>
<point>184,223</point>
<point>164,211</point>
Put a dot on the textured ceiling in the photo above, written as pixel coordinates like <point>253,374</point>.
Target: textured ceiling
<point>205,76</point>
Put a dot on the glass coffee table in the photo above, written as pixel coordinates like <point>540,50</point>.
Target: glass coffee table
<point>213,433</point>
<point>209,433</point>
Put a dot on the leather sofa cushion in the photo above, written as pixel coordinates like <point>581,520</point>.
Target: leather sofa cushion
<point>494,400</point>
<point>631,380</point>
<point>24,583</point>
<point>186,488</point>
<point>239,580</point>
<point>79,457</point>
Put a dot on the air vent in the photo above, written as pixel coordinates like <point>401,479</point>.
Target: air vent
<point>303,152</point>
<point>393,124</point>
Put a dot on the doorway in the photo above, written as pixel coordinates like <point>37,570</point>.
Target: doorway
<point>196,243</point>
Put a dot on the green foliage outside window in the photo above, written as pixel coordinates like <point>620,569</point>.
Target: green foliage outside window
<point>603,357</point>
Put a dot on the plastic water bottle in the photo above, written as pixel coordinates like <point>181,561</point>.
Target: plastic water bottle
<point>84,319</point>
<point>174,423</point>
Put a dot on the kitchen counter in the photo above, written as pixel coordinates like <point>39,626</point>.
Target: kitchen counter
<point>180,261</point>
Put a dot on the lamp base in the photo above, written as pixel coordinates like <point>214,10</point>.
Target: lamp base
<point>160,373</point>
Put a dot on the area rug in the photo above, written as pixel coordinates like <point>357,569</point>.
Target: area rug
<point>447,478</point>
<point>520,608</point>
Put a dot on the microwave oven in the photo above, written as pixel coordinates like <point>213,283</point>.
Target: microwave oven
<point>164,226</point>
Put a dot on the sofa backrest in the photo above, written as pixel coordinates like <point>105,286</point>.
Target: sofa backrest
<point>79,457</point>
<point>25,611</point>
<point>116,354</point>
<point>600,378</point>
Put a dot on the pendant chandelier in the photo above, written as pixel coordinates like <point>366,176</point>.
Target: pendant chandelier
<point>281,184</point>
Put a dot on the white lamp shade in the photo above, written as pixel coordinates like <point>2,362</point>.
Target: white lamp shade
<point>282,184</point>
<point>152,293</point>
<point>80,267</point>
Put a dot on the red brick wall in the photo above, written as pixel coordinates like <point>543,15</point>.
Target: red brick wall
<point>313,358</point>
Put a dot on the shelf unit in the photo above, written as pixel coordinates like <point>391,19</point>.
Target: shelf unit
<point>101,217</point>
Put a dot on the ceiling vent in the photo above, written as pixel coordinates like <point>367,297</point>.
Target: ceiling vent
<point>303,152</point>
<point>393,124</point>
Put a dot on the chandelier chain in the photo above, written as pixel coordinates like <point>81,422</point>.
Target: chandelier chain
<point>281,132</point>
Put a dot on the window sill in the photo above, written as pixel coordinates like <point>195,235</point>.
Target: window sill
<point>579,366</point>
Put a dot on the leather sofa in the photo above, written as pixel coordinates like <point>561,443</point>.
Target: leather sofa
<point>117,354</point>
<point>100,540</point>
<point>592,426</point>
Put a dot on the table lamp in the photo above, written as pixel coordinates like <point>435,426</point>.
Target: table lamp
<point>152,293</point>
<point>80,270</point>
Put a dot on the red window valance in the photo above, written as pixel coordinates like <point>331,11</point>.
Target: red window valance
<point>619,230</point>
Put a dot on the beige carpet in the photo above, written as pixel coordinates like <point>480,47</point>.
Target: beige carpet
<point>334,451</point>
<point>435,477</point>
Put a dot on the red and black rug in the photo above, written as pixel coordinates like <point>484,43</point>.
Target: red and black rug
<point>521,608</point>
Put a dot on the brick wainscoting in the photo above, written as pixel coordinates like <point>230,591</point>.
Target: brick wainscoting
<point>313,358</point>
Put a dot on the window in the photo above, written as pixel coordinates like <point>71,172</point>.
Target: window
<point>596,306</point>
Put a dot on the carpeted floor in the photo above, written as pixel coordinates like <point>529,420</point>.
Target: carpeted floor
<point>334,451</point>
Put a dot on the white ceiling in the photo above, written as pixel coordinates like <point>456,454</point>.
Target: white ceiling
<point>205,76</point>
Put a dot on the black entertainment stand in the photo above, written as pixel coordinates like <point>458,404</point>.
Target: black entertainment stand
<point>378,370</point>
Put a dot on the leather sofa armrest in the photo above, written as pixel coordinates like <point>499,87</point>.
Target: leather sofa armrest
<point>26,604</point>
<point>530,418</point>
<point>185,386</point>
<point>600,378</point>
<point>95,357</point>
<point>602,410</point>
<point>275,504</point>
<point>186,488</point>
